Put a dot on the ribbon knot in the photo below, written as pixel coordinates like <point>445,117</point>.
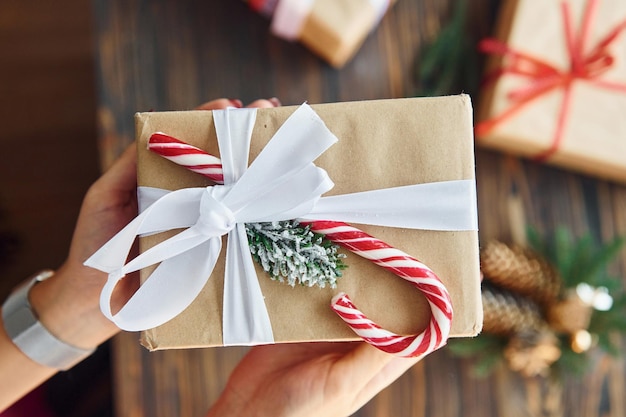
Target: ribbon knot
<point>215,218</point>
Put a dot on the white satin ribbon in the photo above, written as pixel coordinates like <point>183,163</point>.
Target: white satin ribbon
<point>282,183</point>
<point>444,205</point>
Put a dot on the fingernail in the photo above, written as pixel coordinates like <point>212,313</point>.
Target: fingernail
<point>236,102</point>
<point>274,101</point>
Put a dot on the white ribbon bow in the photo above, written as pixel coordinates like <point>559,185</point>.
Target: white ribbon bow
<point>282,183</point>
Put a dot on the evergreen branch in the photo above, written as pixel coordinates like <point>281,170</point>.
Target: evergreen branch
<point>487,349</point>
<point>593,270</point>
<point>578,260</point>
<point>603,322</point>
<point>473,346</point>
<point>562,249</point>
<point>605,343</point>
<point>294,254</point>
<point>449,65</point>
<point>573,275</point>
<point>536,242</point>
<point>571,362</point>
<point>486,365</point>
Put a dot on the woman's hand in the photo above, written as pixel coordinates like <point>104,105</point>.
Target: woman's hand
<point>68,303</point>
<point>307,379</point>
<point>74,291</point>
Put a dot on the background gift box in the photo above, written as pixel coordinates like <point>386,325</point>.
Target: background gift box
<point>556,85</point>
<point>333,29</point>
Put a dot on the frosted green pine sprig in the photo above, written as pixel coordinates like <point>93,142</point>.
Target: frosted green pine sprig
<point>292,253</point>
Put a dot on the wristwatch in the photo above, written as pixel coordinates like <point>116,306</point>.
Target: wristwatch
<point>31,337</point>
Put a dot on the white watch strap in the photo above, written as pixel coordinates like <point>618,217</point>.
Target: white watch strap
<point>31,337</point>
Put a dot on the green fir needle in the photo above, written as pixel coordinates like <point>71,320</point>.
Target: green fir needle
<point>292,253</point>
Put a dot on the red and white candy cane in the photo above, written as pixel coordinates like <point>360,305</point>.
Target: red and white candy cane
<point>404,266</point>
<point>360,243</point>
<point>186,155</point>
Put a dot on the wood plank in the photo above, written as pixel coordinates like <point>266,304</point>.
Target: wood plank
<point>48,135</point>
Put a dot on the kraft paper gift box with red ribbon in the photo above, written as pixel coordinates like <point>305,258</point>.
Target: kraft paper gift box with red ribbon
<point>403,175</point>
<point>333,29</point>
<point>556,85</point>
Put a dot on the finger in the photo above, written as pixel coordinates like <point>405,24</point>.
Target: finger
<point>371,370</point>
<point>387,375</point>
<point>220,103</point>
<point>365,362</point>
<point>265,103</point>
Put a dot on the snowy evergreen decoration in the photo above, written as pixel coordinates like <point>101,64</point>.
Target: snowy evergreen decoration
<point>292,253</point>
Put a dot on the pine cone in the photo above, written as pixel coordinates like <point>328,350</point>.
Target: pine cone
<point>532,353</point>
<point>520,270</point>
<point>506,313</point>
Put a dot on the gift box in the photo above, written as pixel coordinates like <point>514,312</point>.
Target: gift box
<point>333,29</point>
<point>381,145</point>
<point>556,85</point>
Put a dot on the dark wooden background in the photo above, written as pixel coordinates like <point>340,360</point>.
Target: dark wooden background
<point>173,55</point>
<point>47,110</point>
<point>48,160</point>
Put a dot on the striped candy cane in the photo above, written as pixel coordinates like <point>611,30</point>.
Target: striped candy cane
<point>360,243</point>
<point>404,266</point>
<point>190,157</point>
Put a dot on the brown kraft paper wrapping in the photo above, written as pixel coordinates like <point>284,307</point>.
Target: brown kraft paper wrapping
<point>385,143</point>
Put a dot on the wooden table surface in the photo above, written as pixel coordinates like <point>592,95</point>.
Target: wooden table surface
<point>172,55</point>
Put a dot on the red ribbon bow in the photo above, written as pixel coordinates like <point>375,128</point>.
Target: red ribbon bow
<point>544,77</point>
